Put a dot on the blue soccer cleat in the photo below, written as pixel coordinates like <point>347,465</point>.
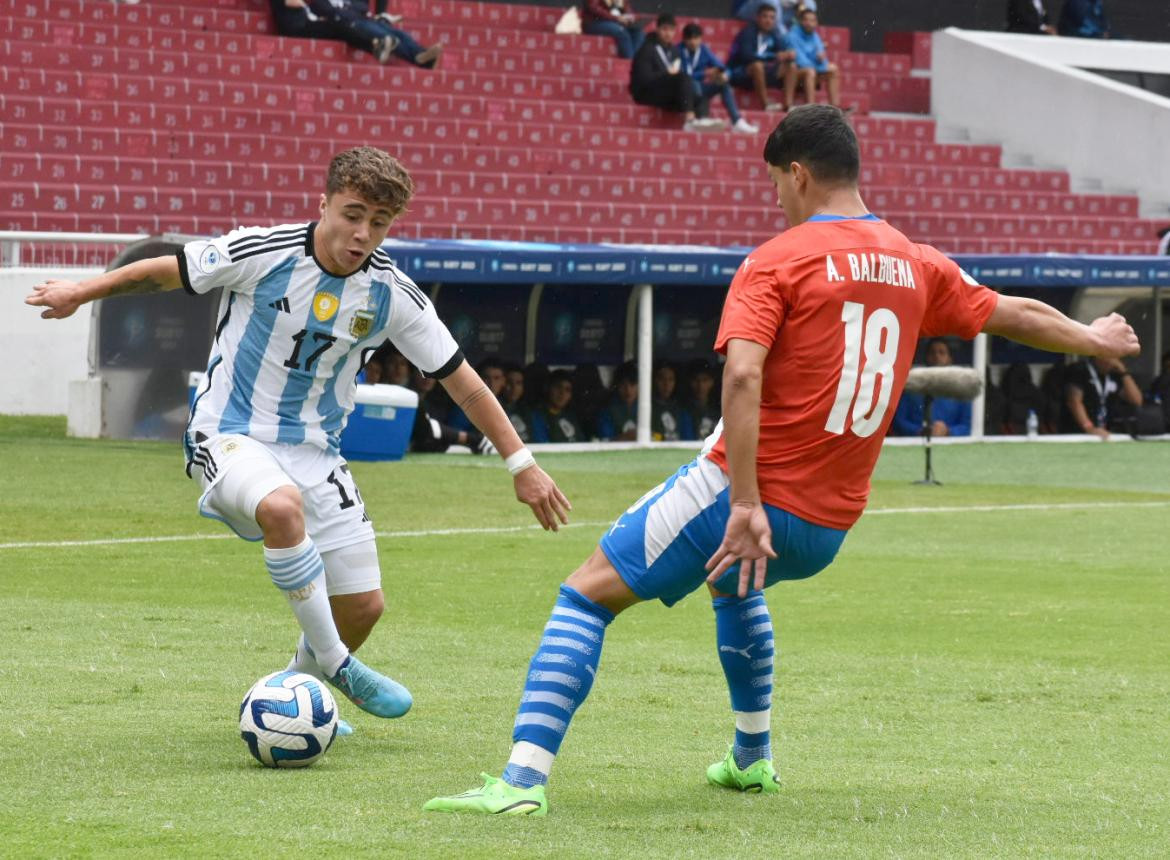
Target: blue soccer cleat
<point>344,729</point>
<point>371,691</point>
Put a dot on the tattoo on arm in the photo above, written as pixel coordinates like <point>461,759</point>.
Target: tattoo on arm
<point>137,286</point>
<point>474,397</point>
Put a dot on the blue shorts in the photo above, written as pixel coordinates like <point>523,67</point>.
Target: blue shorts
<point>661,544</point>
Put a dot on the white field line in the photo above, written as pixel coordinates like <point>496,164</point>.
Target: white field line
<point>491,530</point>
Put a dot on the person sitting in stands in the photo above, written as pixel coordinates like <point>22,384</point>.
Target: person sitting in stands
<point>616,19</point>
<point>761,58</point>
<point>948,417</point>
<point>397,41</point>
<point>1100,395</point>
<point>702,405</point>
<point>317,19</point>
<point>710,77</point>
<point>554,420</point>
<point>430,434</point>
<point>657,79</point>
<point>512,399</point>
<point>619,420</point>
<point>812,63</point>
<point>491,371</point>
<point>669,422</point>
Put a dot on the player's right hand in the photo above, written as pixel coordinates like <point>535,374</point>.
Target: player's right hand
<point>748,540</point>
<point>58,297</point>
<point>1116,335</point>
<point>540,492</point>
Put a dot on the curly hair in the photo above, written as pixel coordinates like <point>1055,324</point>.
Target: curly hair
<point>373,174</point>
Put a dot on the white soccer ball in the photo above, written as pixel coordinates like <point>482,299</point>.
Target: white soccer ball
<point>288,719</point>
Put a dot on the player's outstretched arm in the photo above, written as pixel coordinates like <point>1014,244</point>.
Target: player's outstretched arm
<point>1036,324</point>
<point>61,298</point>
<point>748,537</point>
<point>533,487</point>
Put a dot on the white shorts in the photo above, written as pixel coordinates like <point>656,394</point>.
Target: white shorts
<point>237,472</point>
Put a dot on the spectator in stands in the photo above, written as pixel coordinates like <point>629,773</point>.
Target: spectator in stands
<point>430,434</point>
<point>702,406</point>
<point>812,63</point>
<point>1028,16</point>
<point>657,79</point>
<point>555,421</point>
<point>761,58</point>
<point>317,19</point>
<point>619,420</point>
<point>399,41</point>
<point>616,19</point>
<point>513,401</point>
<point>372,373</point>
<point>669,422</point>
<point>1022,396</point>
<point>948,417</point>
<point>710,77</point>
<point>1085,19</point>
<point>1100,396</point>
<point>491,372</point>
<point>589,395</point>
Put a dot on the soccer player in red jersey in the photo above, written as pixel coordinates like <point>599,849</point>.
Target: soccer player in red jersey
<point>819,329</point>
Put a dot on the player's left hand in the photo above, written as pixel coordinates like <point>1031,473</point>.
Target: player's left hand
<point>748,540</point>
<point>541,493</point>
<point>59,297</point>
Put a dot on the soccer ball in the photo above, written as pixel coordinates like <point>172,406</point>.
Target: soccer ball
<point>288,719</point>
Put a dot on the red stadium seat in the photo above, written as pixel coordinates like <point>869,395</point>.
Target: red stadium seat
<point>171,116</point>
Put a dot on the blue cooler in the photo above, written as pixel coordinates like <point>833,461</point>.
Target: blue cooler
<point>380,424</point>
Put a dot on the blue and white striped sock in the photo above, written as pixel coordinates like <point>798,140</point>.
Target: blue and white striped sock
<point>559,678</point>
<point>743,630</point>
<point>299,572</point>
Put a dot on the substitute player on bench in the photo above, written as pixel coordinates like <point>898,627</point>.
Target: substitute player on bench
<point>819,329</point>
<point>301,306</point>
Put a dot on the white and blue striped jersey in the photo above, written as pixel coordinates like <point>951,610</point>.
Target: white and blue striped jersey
<point>291,336</point>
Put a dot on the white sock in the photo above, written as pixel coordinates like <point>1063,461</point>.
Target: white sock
<point>299,572</point>
<point>304,661</point>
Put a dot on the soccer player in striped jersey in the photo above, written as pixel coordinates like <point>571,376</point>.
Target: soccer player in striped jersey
<point>301,306</point>
<point>819,328</point>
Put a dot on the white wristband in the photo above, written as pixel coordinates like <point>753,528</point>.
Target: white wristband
<point>519,461</point>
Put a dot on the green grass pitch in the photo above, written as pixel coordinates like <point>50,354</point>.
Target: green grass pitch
<point>961,683</point>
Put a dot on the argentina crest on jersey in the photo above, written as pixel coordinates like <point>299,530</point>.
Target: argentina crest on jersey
<point>363,320</point>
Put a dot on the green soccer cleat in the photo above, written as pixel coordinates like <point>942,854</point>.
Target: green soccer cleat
<point>759,778</point>
<point>495,798</point>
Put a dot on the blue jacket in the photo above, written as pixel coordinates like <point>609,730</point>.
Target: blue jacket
<point>956,414</point>
<point>1084,18</point>
<point>750,45</point>
<point>696,66</point>
<point>807,46</point>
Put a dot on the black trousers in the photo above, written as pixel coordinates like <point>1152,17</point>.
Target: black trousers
<point>670,92</point>
<point>330,29</point>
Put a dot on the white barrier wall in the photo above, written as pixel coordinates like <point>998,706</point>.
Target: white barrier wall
<point>39,358</point>
<point>1024,93</point>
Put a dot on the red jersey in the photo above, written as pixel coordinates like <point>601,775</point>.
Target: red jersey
<point>840,305</point>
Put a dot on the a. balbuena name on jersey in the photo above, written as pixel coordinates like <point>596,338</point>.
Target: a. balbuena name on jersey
<point>874,269</point>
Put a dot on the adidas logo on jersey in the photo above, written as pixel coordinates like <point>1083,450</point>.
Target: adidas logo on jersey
<point>281,304</point>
